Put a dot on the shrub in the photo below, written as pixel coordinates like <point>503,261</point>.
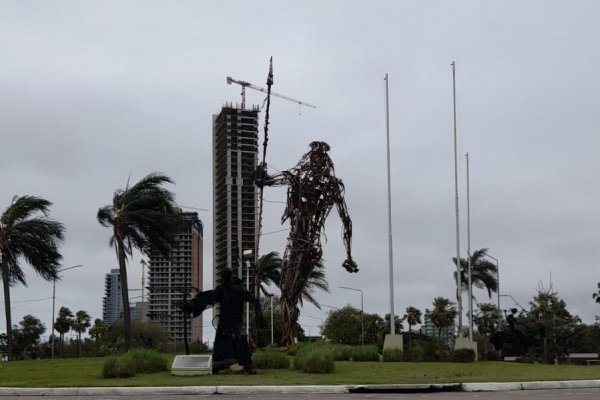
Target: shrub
<point>270,360</point>
<point>492,355</point>
<point>147,361</point>
<point>314,360</point>
<point>364,353</point>
<point>392,355</point>
<point>341,352</point>
<point>464,355</point>
<point>118,367</point>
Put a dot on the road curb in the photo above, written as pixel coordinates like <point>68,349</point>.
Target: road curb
<point>300,389</point>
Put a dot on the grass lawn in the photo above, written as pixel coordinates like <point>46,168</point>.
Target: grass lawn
<point>86,372</point>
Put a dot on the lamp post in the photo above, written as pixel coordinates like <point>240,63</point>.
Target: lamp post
<point>362,332</point>
<point>54,302</point>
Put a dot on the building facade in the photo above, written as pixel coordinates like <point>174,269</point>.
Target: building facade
<point>235,157</point>
<point>170,279</point>
<point>429,329</point>
<point>112,303</point>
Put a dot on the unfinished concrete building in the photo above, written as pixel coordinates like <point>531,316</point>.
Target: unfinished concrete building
<point>169,278</point>
<point>235,156</point>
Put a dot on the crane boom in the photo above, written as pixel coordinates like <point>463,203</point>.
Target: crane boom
<point>245,84</point>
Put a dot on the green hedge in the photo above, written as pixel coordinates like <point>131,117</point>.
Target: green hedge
<point>134,362</point>
<point>270,360</point>
<point>364,353</point>
<point>392,355</point>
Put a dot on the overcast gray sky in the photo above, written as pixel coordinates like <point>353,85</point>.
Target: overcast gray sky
<point>93,91</point>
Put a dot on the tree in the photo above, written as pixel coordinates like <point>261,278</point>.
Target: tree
<point>343,326</point>
<point>27,235</point>
<point>143,216</point>
<point>443,314</point>
<point>63,324</point>
<point>80,325</point>
<point>555,324</point>
<point>596,295</point>
<point>413,317</point>
<point>484,274</point>
<point>26,336</point>
<point>486,320</point>
<point>316,280</point>
<point>267,271</point>
<point>98,332</point>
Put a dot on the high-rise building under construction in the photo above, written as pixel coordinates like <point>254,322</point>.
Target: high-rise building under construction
<point>235,156</point>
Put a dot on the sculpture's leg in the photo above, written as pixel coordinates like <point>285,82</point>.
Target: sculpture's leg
<point>290,317</point>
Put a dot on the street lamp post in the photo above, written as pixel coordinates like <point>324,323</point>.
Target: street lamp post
<point>362,332</point>
<point>54,302</point>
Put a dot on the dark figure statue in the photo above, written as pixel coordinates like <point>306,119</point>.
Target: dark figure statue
<point>313,190</point>
<point>231,341</point>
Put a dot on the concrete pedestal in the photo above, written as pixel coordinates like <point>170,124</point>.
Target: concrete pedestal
<point>464,343</point>
<point>393,342</point>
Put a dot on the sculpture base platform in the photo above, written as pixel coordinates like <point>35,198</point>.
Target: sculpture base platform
<point>465,343</point>
<point>200,364</point>
<point>393,342</point>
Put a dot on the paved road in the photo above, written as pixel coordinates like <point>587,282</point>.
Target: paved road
<point>570,394</point>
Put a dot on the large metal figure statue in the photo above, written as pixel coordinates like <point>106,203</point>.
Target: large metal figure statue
<point>231,341</point>
<point>313,190</point>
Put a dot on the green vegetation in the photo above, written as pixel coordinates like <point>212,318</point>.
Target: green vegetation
<point>315,359</point>
<point>87,372</point>
<point>392,355</point>
<point>364,353</point>
<point>134,362</point>
<point>270,360</point>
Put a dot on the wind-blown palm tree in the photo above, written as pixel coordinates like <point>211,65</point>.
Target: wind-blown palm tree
<point>484,273</point>
<point>80,325</point>
<point>63,324</point>
<point>316,281</point>
<point>143,216</point>
<point>27,235</point>
<point>413,317</point>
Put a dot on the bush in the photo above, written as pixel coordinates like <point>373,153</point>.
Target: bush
<point>341,352</point>
<point>464,355</point>
<point>492,355</point>
<point>147,361</point>
<point>270,360</point>
<point>392,355</point>
<point>118,367</point>
<point>314,360</point>
<point>364,353</point>
<point>133,362</point>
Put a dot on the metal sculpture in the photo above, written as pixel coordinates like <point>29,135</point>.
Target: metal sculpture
<point>231,341</point>
<point>313,190</point>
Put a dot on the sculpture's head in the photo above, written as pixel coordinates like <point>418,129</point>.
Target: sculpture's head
<point>226,275</point>
<point>319,147</point>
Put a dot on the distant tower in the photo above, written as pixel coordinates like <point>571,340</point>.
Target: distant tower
<point>235,156</point>
<point>169,278</point>
<point>112,304</point>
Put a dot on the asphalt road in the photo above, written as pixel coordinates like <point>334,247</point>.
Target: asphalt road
<point>570,394</point>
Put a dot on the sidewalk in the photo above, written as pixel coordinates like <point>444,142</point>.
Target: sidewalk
<point>322,389</point>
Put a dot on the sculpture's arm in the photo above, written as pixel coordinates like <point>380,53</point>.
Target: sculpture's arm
<point>200,302</point>
<point>262,178</point>
<point>349,263</point>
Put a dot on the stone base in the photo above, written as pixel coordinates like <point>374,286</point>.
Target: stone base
<point>465,343</point>
<point>393,342</point>
<point>199,364</point>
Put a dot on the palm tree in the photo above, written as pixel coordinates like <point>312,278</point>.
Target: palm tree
<point>142,216</point>
<point>413,317</point>
<point>98,332</point>
<point>267,271</point>
<point>484,273</point>
<point>486,320</point>
<point>316,280</point>
<point>80,325</point>
<point>63,324</point>
<point>27,235</point>
<point>596,296</point>
<point>443,314</point>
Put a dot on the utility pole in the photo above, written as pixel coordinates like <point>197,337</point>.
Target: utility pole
<point>470,281</point>
<point>458,285</point>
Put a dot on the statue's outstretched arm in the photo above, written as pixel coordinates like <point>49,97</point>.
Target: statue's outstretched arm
<point>349,263</point>
<point>262,178</point>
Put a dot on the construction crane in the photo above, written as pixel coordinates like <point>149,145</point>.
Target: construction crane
<point>245,84</point>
